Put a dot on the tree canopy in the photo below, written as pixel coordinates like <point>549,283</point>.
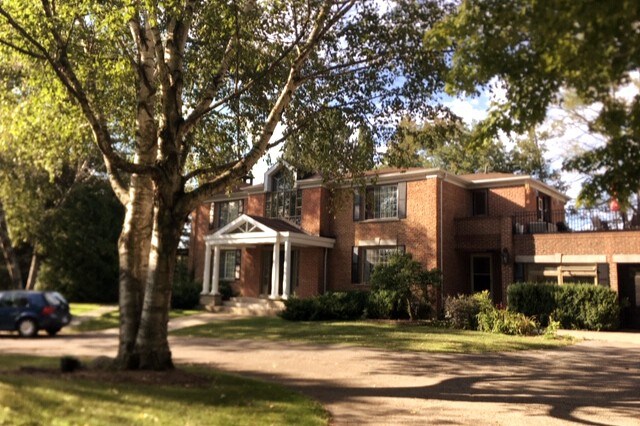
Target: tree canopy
<point>532,49</point>
<point>184,97</point>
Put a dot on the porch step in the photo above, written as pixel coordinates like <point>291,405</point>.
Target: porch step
<point>248,306</point>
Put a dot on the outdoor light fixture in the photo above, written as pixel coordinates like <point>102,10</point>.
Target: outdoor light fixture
<point>505,256</point>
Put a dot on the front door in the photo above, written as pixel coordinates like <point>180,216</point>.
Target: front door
<point>481,273</point>
<point>629,287</point>
<point>265,274</point>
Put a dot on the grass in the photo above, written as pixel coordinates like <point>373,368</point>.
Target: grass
<point>82,308</point>
<point>400,336</point>
<point>219,399</point>
<point>112,319</point>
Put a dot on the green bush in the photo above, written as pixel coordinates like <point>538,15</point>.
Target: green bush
<point>462,310</point>
<point>185,295</point>
<point>330,306</point>
<point>226,290</point>
<point>503,321</point>
<point>576,306</point>
<point>402,284</point>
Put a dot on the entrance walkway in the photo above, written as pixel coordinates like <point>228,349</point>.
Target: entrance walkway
<point>591,383</point>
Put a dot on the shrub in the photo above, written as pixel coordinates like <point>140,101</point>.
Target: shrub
<point>462,310</point>
<point>185,295</point>
<point>330,306</point>
<point>226,290</point>
<point>504,321</point>
<point>403,284</point>
<point>577,306</point>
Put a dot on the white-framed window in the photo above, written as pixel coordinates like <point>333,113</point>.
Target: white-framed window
<point>229,265</point>
<point>365,259</point>
<point>567,274</point>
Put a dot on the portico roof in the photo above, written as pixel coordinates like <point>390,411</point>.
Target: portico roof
<point>248,230</point>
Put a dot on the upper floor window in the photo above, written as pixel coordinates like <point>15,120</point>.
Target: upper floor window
<point>229,211</point>
<point>381,202</point>
<point>480,203</point>
<point>284,201</point>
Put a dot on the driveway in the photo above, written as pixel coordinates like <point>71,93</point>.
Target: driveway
<point>592,383</point>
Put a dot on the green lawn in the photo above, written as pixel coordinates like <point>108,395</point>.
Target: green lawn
<point>82,308</point>
<point>48,397</point>
<point>377,334</point>
<point>112,319</point>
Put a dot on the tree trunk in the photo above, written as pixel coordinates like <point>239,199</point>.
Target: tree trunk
<point>152,346</point>
<point>13,267</point>
<point>133,249</point>
<point>34,268</point>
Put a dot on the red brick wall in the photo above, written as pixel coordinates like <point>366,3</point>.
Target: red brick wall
<point>312,209</point>
<point>199,229</point>
<point>455,268</point>
<point>311,271</point>
<point>255,205</point>
<point>249,285</point>
<point>584,243</point>
<point>418,232</point>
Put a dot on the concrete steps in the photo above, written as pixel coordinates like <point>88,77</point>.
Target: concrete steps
<point>247,306</point>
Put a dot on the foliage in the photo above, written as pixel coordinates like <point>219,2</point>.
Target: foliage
<point>403,283</point>
<point>185,295</point>
<point>534,51</point>
<point>462,310</point>
<point>576,306</point>
<point>183,98</point>
<point>386,335</point>
<point>97,398</point>
<point>328,306</point>
<point>226,290</point>
<point>78,243</point>
<point>504,321</point>
<point>449,144</point>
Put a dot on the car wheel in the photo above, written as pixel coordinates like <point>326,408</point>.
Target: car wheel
<point>28,327</point>
<point>52,331</point>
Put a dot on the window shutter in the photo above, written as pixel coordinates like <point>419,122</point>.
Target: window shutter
<point>355,266</point>
<point>402,200</point>
<point>357,206</point>
<point>240,207</point>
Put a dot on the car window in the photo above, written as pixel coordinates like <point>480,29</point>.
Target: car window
<point>21,301</point>
<point>4,300</point>
<point>54,298</point>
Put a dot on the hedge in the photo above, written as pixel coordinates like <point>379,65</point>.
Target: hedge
<point>575,306</point>
<point>330,306</point>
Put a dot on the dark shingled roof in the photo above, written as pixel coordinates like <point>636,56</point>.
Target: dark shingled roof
<point>276,224</point>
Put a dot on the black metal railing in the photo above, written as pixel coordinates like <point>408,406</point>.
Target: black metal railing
<point>575,220</point>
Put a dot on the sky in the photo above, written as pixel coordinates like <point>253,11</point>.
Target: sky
<point>575,137</point>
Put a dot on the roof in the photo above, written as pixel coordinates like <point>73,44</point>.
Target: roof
<point>278,225</point>
<point>484,176</point>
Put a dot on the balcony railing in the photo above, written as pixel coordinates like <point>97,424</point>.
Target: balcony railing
<point>575,220</point>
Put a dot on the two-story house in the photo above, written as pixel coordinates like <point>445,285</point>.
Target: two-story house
<point>291,235</point>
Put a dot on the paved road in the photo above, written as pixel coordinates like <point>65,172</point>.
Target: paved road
<point>591,383</point>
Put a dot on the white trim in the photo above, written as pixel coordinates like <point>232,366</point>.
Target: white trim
<point>560,258</point>
<point>262,234</point>
<point>625,258</point>
<point>376,242</point>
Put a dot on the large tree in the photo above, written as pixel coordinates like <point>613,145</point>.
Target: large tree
<point>184,97</point>
<point>533,49</point>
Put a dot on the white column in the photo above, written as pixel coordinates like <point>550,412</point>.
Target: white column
<point>206,280</point>
<point>215,287</point>
<point>286,273</point>
<point>275,270</point>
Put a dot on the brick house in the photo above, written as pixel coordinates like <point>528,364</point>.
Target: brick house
<point>291,235</point>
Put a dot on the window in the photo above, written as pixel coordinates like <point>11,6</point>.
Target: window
<point>565,274</point>
<point>481,272</point>
<point>229,211</point>
<point>381,202</point>
<point>543,208</point>
<point>229,265</point>
<point>480,203</point>
<point>365,259</point>
<point>284,202</point>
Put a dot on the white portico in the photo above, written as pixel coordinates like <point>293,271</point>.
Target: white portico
<point>252,231</point>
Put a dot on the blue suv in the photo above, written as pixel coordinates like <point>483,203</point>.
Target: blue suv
<point>27,312</point>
